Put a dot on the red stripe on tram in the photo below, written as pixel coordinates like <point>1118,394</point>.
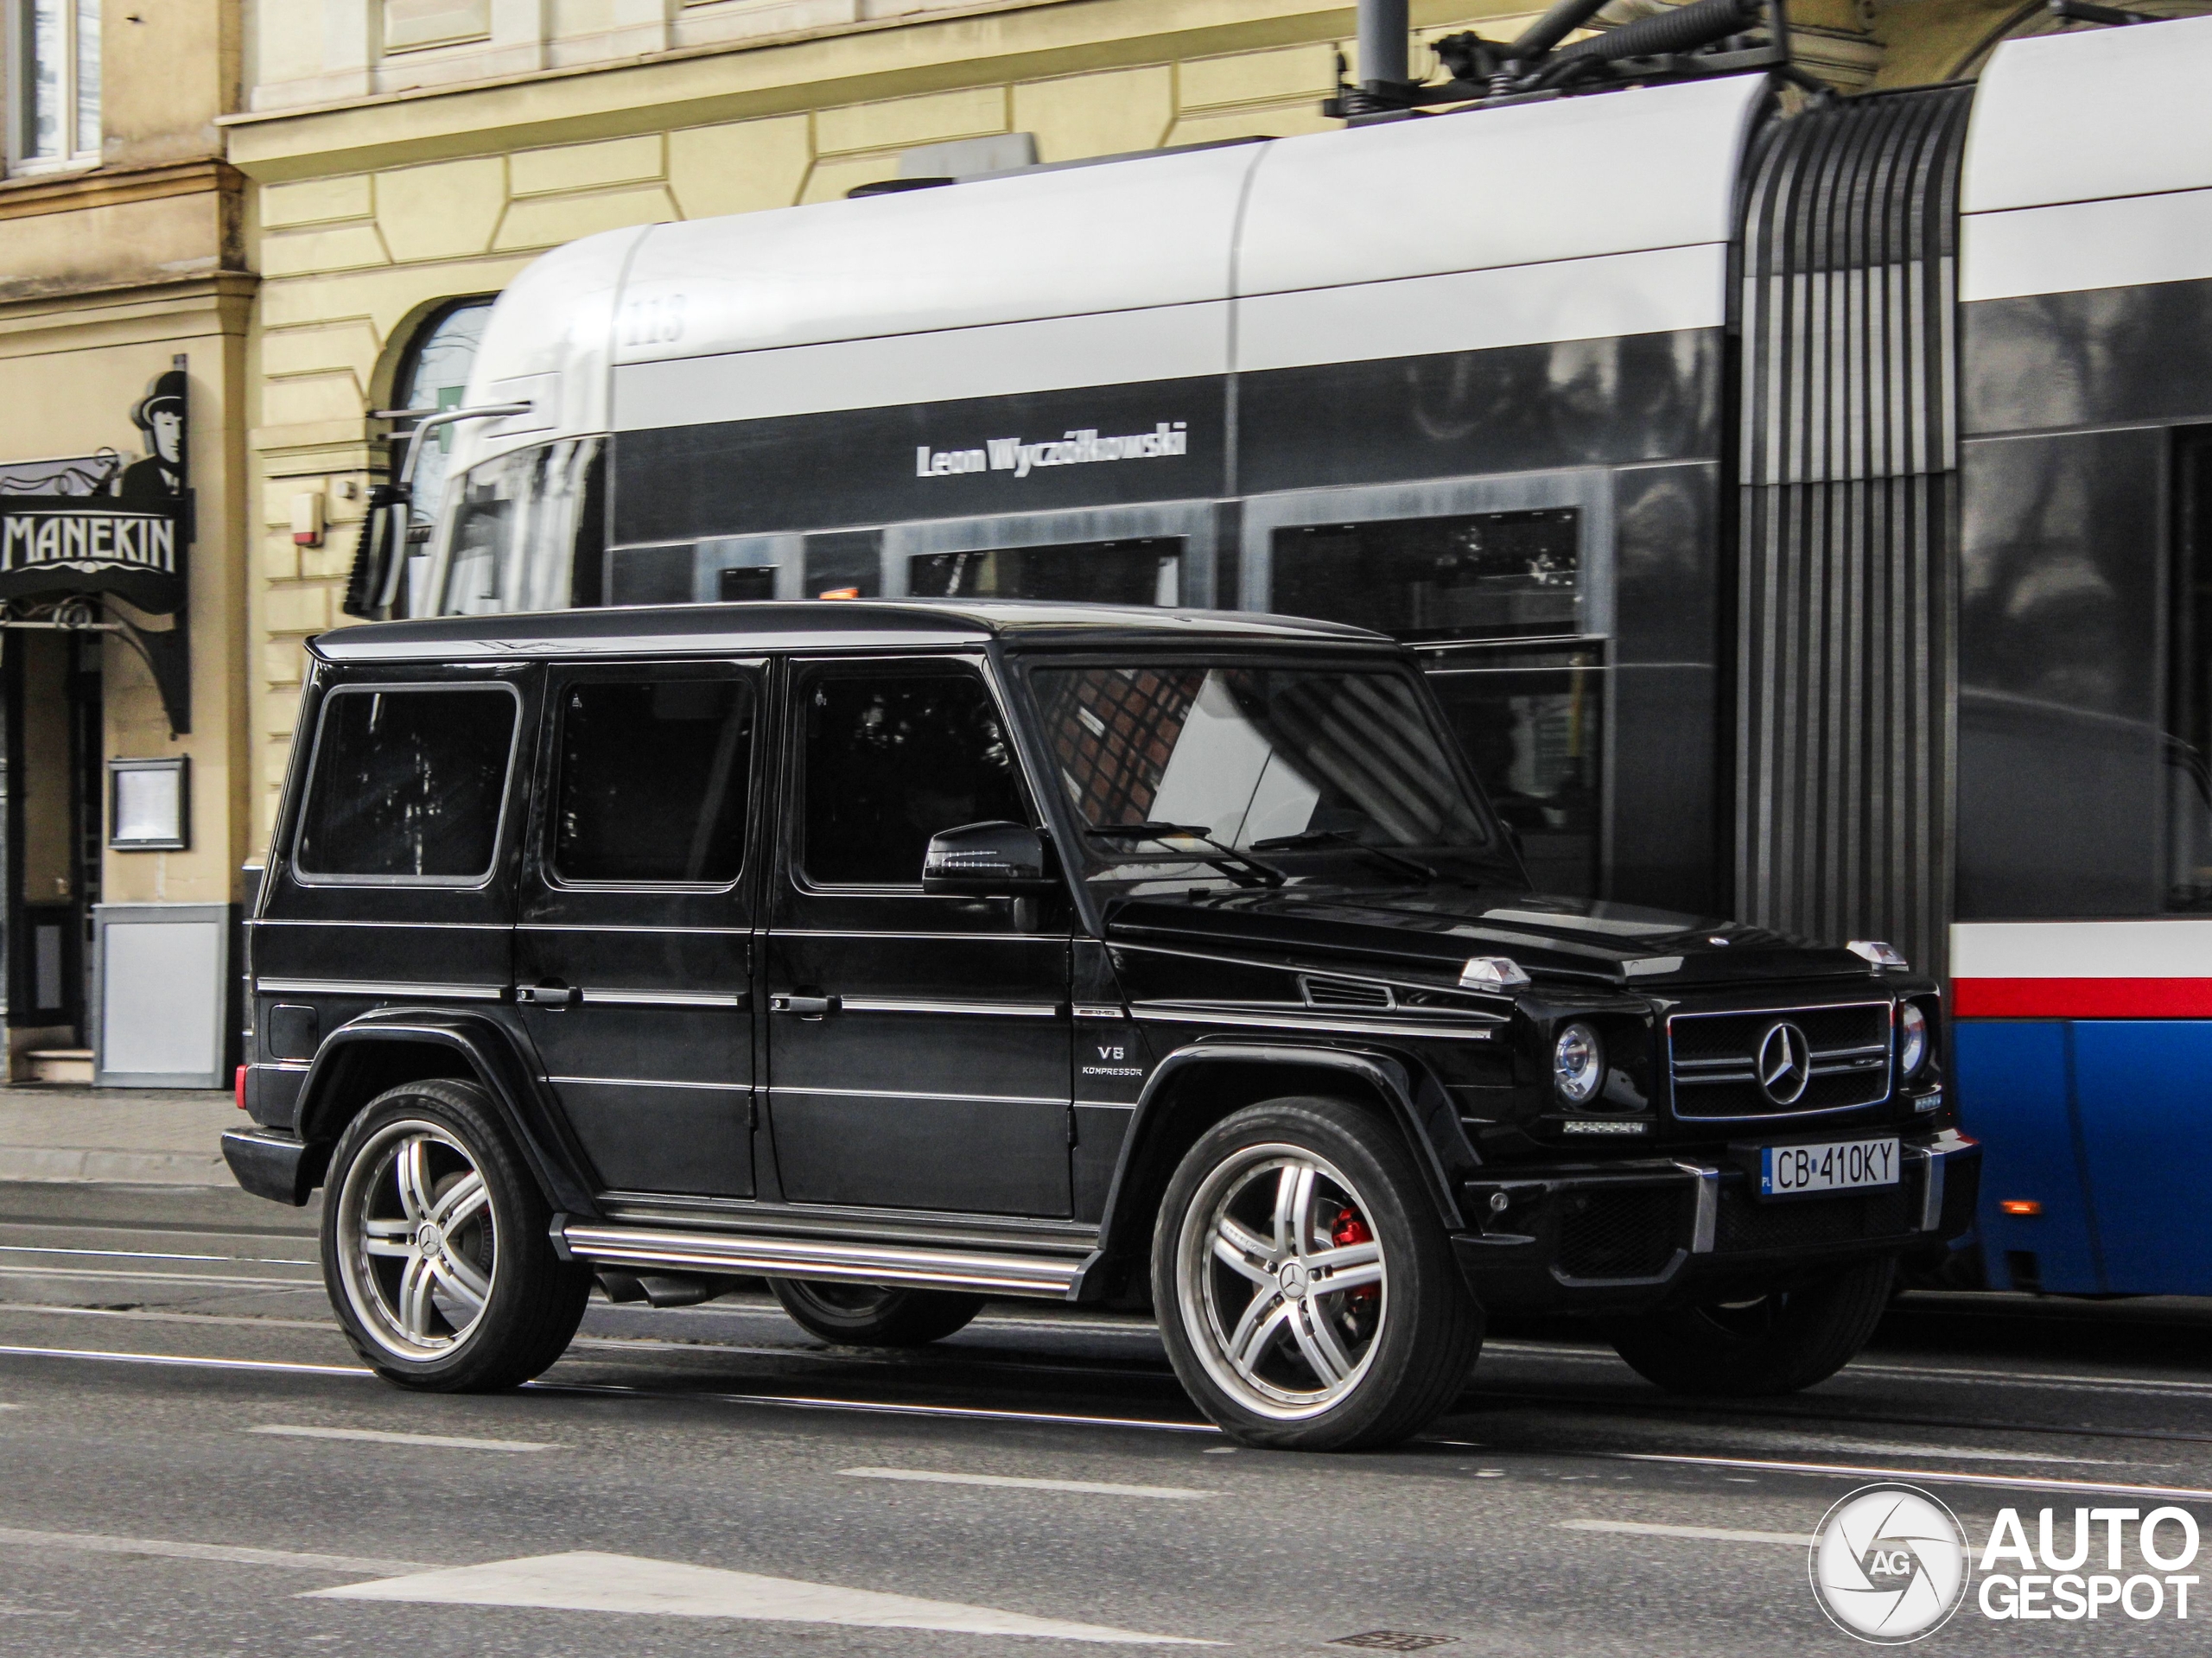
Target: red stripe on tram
<point>2082,999</point>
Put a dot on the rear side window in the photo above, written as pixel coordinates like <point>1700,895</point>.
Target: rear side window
<point>408,783</point>
<point>653,781</point>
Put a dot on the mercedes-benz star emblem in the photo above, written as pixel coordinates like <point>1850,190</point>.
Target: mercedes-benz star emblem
<point>1785,1063</point>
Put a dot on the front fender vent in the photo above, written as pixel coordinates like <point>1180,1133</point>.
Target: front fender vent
<point>1347,993</point>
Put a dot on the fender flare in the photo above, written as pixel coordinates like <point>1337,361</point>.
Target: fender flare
<point>1386,1074</point>
<point>489,1053</point>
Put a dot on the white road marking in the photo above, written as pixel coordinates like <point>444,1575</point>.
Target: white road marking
<point>783,1401</point>
<point>153,1255</point>
<point>2003,1482</point>
<point>871,1407</point>
<point>110,1275</point>
<point>378,1436</point>
<point>289,1558</point>
<point>2060,1381</point>
<point>171,1316</point>
<point>1094,1488</point>
<point>1712,1534</point>
<point>586,1581</point>
<point>188,1362</point>
<point>1958,1453</point>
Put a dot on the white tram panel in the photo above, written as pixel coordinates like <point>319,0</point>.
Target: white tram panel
<point>2088,163</point>
<point>1578,219</point>
<point>546,343</point>
<point>1086,276</point>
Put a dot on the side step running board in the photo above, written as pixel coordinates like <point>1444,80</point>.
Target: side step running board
<point>652,1248</point>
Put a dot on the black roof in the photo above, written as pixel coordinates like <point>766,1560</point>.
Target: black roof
<point>814,624</point>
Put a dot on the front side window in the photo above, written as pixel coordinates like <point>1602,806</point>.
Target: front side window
<point>55,101</point>
<point>892,759</point>
<point>407,784</point>
<point>526,531</point>
<point>652,780</point>
<point>1290,759</point>
<point>1476,576</point>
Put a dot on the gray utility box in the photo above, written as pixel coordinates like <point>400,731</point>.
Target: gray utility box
<point>162,995</point>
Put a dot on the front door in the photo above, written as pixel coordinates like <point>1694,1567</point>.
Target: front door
<point>919,1045</point>
<point>633,958</point>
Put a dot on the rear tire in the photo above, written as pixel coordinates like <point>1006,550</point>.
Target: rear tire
<point>874,1315</point>
<point>1306,1291</point>
<point>1777,1343</point>
<point>436,1248</point>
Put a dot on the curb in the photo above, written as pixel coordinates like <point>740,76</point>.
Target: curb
<point>66,1163</point>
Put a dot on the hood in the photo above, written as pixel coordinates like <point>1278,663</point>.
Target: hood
<point>1437,929</point>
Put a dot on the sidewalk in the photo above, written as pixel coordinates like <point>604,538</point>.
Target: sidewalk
<point>165,1136</point>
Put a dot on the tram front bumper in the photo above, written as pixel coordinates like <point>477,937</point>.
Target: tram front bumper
<point>1648,1234</point>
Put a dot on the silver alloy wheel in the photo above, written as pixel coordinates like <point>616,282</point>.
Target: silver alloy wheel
<point>417,1242</point>
<point>1283,1288</point>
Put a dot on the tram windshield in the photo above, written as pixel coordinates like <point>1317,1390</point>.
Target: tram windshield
<point>1252,770</point>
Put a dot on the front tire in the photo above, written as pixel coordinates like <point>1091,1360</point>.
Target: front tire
<point>874,1315</point>
<point>436,1248</point>
<point>1774,1343</point>
<point>1307,1295</point>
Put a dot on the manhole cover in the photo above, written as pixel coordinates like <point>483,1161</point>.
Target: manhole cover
<point>1394,1641</point>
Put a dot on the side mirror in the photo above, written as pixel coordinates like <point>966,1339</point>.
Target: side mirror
<point>996,860</point>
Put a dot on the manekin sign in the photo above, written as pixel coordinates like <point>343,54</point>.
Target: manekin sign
<point>101,526</point>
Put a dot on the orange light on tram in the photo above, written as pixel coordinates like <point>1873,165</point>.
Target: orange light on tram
<point>2026,1206</point>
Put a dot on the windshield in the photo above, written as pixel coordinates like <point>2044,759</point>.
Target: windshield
<point>1288,762</point>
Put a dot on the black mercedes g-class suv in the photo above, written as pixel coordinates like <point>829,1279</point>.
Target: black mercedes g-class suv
<point>910,954</point>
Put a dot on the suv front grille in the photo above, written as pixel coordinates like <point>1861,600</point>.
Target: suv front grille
<point>1713,1059</point>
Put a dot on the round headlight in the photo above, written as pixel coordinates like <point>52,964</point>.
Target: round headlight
<point>1912,1039</point>
<point>1577,1064</point>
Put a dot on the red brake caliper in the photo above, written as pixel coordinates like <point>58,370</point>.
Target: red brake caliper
<point>1349,1230</point>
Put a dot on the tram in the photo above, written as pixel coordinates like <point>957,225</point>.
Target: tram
<point>1804,505</point>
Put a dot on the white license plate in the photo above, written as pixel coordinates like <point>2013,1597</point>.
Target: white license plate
<point>1840,1165</point>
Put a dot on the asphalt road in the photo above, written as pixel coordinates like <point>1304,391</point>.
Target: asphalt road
<point>195,1463</point>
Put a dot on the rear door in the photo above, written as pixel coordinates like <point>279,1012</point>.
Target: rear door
<point>919,1045</point>
<point>393,883</point>
<point>633,960</point>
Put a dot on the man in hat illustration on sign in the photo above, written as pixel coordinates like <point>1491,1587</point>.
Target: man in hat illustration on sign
<point>160,416</point>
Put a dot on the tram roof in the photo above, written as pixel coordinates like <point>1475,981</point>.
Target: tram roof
<point>809,624</point>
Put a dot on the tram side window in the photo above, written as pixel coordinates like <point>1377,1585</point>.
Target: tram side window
<point>2189,749</point>
<point>527,531</point>
<point>1142,571</point>
<point>1470,576</point>
<point>1532,724</point>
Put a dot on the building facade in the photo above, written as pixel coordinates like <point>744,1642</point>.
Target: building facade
<point>125,305</point>
<point>406,158</point>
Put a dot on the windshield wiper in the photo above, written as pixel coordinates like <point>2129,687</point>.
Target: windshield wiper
<point>1227,859</point>
<point>1312,838</point>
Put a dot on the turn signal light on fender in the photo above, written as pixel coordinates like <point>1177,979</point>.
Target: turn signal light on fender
<point>2020,1206</point>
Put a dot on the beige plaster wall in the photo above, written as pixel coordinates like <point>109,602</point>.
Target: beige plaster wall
<point>71,373</point>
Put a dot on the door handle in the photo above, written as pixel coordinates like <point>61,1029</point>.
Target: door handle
<point>805,1006</point>
<point>552,996</point>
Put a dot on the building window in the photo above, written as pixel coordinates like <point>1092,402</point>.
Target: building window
<point>55,68</point>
